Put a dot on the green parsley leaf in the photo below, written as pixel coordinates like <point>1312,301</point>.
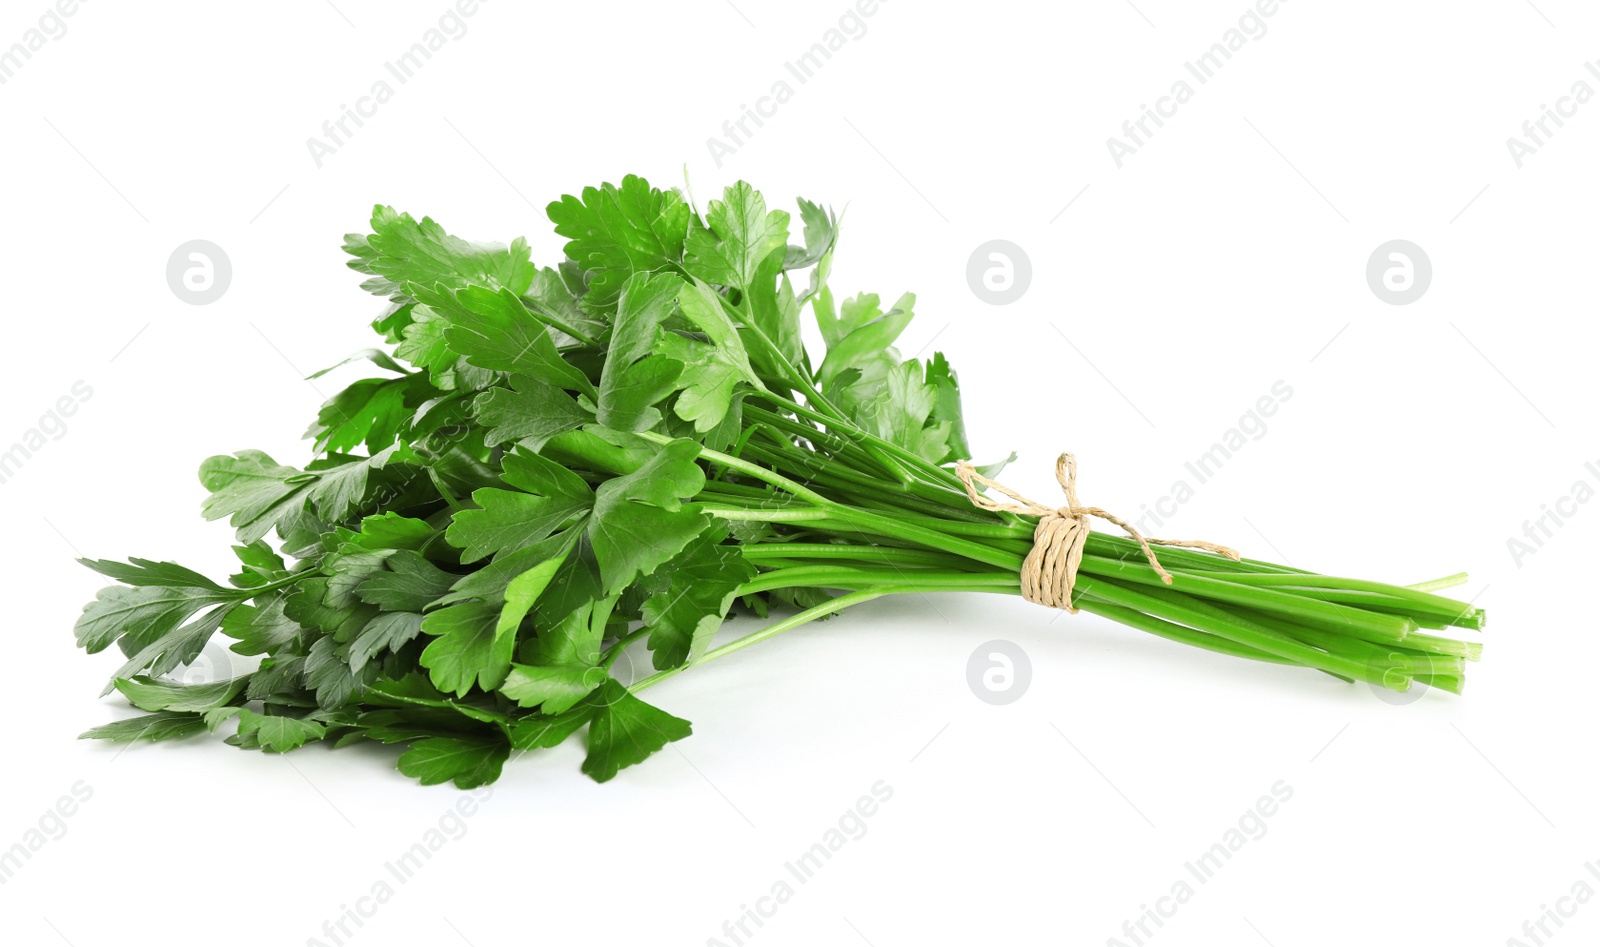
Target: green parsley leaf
<point>634,379</point>
<point>714,366</point>
<point>148,693</point>
<point>147,572</point>
<point>742,235</point>
<point>947,409</point>
<point>391,530</point>
<point>530,412</point>
<point>371,411</point>
<point>145,613</point>
<point>496,331</point>
<point>862,333</point>
<point>410,583</point>
<point>467,761</point>
<point>257,493</point>
<point>385,632</point>
<point>544,731</point>
<point>162,725</point>
<point>556,687</point>
<point>567,656</point>
<point>522,592</point>
<point>700,587</point>
<point>160,654</point>
<point>330,675</point>
<point>613,232</point>
<point>466,650</point>
<point>261,629</point>
<point>377,357</point>
<point>639,519</point>
<point>821,228</point>
<point>402,250</point>
<point>553,301</point>
<point>626,730</point>
<point>277,734</point>
<point>508,520</point>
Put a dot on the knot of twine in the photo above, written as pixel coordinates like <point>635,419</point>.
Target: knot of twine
<point>1051,568</point>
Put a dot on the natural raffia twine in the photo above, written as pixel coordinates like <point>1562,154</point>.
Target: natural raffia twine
<point>1051,568</point>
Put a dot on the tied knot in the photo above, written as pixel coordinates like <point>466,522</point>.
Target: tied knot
<point>1051,568</point>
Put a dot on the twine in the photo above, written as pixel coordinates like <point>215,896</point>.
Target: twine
<point>1051,568</point>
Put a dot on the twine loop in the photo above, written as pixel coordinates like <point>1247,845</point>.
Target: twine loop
<point>1051,568</point>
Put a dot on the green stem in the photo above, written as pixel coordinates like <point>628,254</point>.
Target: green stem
<point>1373,626</point>
<point>255,590</point>
<point>803,515</point>
<point>753,470</point>
<point>864,577</point>
<point>444,491</point>
<point>762,551</point>
<point>1185,610</point>
<point>827,608</point>
<point>1420,601</point>
<point>615,651</point>
<point>839,447</point>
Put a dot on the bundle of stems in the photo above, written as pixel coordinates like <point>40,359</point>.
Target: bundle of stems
<point>849,511</point>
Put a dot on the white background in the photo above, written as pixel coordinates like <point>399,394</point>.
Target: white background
<point>1227,254</point>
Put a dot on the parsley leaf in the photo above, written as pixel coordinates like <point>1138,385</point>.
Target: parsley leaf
<point>385,632</point>
<point>144,613</point>
<point>261,629</point>
<point>497,332</point>
<point>403,250</point>
<point>634,378</point>
<point>257,494</point>
<point>147,693</point>
<point>466,650</point>
<point>565,661</point>
<point>821,229</point>
<point>862,334</point>
<point>714,366</point>
<point>370,411</point>
<point>701,584</point>
<point>741,235</point>
<point>410,583</point>
<point>639,519</point>
<point>467,761</point>
<point>148,573</point>
<point>614,232</point>
<point>530,411</point>
<point>275,733</point>
<point>626,730</point>
<point>549,498</point>
<point>162,725</point>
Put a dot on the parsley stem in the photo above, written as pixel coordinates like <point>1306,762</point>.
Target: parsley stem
<point>758,552</point>
<point>615,651</point>
<point>862,488</point>
<point>1372,626</point>
<point>285,582</point>
<point>898,458</point>
<point>1421,600</point>
<point>807,514</point>
<point>444,491</point>
<point>830,607</point>
<point>1446,582</point>
<point>846,577</point>
<point>745,467</point>
<point>837,446</point>
<point>1185,610</point>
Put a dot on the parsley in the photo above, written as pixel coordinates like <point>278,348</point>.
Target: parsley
<point>553,465</point>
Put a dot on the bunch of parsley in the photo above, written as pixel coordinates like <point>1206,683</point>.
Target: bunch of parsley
<point>558,465</point>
